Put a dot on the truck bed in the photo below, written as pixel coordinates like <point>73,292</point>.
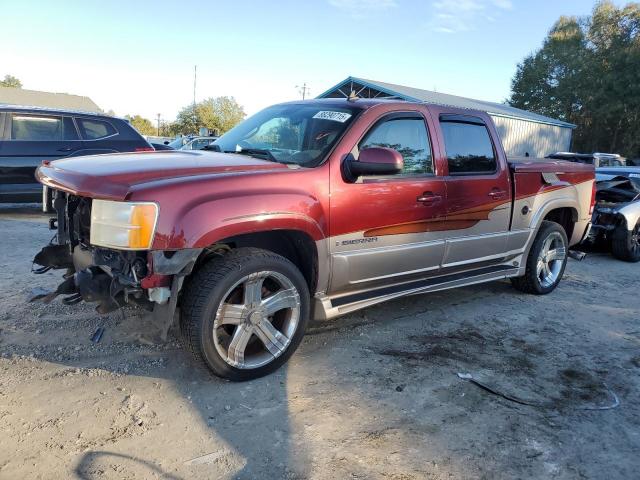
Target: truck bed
<point>546,165</point>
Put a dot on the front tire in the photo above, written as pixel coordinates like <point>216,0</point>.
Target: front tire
<point>244,314</point>
<point>546,261</point>
<point>625,244</point>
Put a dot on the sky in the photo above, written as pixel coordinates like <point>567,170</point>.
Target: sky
<point>138,57</point>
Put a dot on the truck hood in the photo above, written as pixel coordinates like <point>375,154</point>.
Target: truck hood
<point>113,176</point>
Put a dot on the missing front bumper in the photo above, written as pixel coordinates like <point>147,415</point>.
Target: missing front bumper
<point>113,279</point>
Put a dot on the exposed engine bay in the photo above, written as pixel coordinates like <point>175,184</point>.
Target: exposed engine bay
<point>612,196</point>
<point>110,277</point>
<point>616,216</point>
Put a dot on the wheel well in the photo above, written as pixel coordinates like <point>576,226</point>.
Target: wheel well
<point>296,246</point>
<point>566,217</point>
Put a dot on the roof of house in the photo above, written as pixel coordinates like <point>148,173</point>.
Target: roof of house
<point>63,101</point>
<point>390,90</point>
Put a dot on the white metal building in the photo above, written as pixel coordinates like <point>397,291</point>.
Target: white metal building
<point>521,132</point>
<point>35,98</point>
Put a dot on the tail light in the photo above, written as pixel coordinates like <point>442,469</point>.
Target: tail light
<point>145,149</point>
<point>593,197</point>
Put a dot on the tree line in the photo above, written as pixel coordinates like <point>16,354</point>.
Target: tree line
<point>10,81</point>
<point>588,73</point>
<point>218,114</point>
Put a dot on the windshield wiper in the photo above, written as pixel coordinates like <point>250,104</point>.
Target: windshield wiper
<point>259,152</point>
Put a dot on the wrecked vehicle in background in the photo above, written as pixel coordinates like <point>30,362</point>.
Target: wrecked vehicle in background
<point>616,215</point>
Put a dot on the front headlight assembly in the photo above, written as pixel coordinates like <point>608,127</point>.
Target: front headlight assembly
<point>123,225</point>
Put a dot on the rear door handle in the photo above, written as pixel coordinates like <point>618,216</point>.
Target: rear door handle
<point>497,194</point>
<point>65,149</point>
<point>428,198</point>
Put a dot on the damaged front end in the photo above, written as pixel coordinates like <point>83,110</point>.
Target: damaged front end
<point>617,207</point>
<point>111,277</point>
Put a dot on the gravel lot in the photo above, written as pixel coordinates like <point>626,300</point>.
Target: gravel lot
<point>373,395</point>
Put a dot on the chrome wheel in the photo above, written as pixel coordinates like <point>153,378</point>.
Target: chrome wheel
<point>256,319</point>
<point>551,259</point>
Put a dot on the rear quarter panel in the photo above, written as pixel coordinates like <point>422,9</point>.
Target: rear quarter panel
<point>541,187</point>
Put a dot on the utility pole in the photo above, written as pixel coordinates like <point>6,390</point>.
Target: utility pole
<point>303,89</point>
<point>195,73</point>
<point>158,124</point>
<point>195,117</point>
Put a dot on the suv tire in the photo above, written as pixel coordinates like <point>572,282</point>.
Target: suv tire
<point>546,261</point>
<point>244,314</point>
<point>625,244</point>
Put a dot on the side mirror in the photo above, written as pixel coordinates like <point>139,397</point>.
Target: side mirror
<point>376,161</point>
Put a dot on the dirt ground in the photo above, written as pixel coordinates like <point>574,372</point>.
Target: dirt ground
<point>373,395</point>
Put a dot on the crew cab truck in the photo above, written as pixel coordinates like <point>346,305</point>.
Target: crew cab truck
<point>309,209</point>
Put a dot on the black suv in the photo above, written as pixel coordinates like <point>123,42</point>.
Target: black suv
<point>29,135</point>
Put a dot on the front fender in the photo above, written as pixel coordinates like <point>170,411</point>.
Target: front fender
<point>203,224</point>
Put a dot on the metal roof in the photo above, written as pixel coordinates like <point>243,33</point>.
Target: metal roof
<point>47,110</point>
<point>389,90</point>
<point>62,101</point>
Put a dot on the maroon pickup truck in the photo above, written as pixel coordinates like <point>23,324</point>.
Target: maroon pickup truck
<point>309,210</point>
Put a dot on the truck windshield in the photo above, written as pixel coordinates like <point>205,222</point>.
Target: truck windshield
<point>293,133</point>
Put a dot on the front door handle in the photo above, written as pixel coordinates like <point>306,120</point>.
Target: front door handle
<point>65,149</point>
<point>497,194</point>
<point>429,198</point>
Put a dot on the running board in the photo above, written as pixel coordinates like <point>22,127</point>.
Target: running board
<point>327,307</point>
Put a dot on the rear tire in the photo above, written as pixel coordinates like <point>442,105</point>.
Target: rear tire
<point>546,261</point>
<point>244,314</point>
<point>625,244</point>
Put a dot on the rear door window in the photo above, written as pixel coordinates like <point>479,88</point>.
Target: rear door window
<point>92,129</point>
<point>468,147</point>
<point>36,128</point>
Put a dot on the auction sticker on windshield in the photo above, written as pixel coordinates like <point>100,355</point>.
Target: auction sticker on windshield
<point>335,116</point>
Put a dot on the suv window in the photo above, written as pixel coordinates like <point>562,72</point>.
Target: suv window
<point>36,128</point>
<point>468,147</point>
<point>409,137</point>
<point>95,129</point>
